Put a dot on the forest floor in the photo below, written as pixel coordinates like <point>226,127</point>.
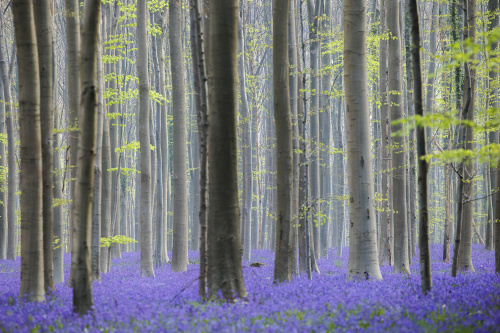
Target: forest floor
<point>125,302</point>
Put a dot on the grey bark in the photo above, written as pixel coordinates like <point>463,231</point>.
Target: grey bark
<point>180,222</point>
<point>32,278</point>
<point>363,258</point>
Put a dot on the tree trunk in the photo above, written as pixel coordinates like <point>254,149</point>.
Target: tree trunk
<point>384,255</point>
<point>465,251</point>
<point>363,258</point>
<point>224,259</point>
<point>11,162</point>
<point>313,9</point>
<point>3,184</point>
<point>423,166</point>
<point>180,233</point>
<point>246,147</point>
<point>32,277</point>
<point>84,191</point>
<point>401,261</point>
<point>284,149</point>
<point>142,69</point>
<point>44,22</point>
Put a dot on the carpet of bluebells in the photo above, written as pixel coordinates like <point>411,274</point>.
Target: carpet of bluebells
<point>125,302</point>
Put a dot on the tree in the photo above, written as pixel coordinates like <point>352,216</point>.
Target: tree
<point>84,189</point>
<point>401,262</point>
<point>363,258</point>
<point>44,22</point>
<point>11,162</point>
<point>465,249</point>
<point>284,152</point>
<point>224,260</point>
<point>180,232</point>
<point>423,166</point>
<point>142,69</point>
<point>32,278</point>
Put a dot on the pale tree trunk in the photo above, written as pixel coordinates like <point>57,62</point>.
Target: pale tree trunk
<point>284,149</point>
<point>313,9</point>
<point>84,190</point>
<point>43,21</point>
<point>423,166</point>
<point>224,259</point>
<point>246,147</point>
<point>32,278</point>
<point>73,55</point>
<point>58,210</point>
<point>363,258</point>
<point>292,81</point>
<point>180,223</point>
<point>199,74</point>
<point>11,164</point>
<point>97,207</point>
<point>493,102</point>
<point>401,261</point>
<point>161,248</point>
<point>105,194</point>
<point>465,250</point>
<point>3,184</point>
<point>142,69</point>
<point>432,66</point>
<point>324,120</point>
<point>384,248</point>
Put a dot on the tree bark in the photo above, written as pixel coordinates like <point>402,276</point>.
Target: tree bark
<point>401,261</point>
<point>284,149</point>
<point>32,275</point>
<point>363,258</point>
<point>44,21</point>
<point>180,232</point>
<point>142,69</point>
<point>84,190</point>
<point>423,167</point>
<point>224,259</point>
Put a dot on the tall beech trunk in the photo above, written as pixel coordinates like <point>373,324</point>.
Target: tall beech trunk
<point>142,69</point>
<point>396,107</point>
<point>224,258</point>
<point>284,149</point>
<point>363,258</point>
<point>180,232</point>
<point>84,190</point>
<point>32,277</point>
<point>246,147</point>
<point>11,161</point>
<point>44,21</point>
<point>423,166</point>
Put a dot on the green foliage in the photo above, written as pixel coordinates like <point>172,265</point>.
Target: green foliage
<point>118,239</point>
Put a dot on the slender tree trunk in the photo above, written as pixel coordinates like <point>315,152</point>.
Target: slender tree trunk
<point>32,277</point>
<point>294,93</point>
<point>465,251</point>
<point>97,207</point>
<point>423,167</point>
<point>3,184</point>
<point>401,261</point>
<point>313,9</point>
<point>363,258</point>
<point>11,164</point>
<point>43,20</point>
<point>84,191</point>
<point>224,259</point>
<point>180,234</point>
<point>384,255</point>
<point>493,102</point>
<point>246,147</point>
<point>142,69</point>
<point>284,149</point>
